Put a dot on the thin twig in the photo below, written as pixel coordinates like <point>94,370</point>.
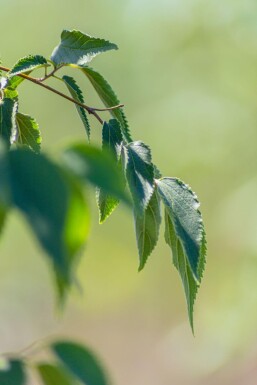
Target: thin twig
<point>90,110</point>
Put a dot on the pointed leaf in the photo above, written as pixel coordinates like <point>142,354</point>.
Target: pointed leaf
<point>112,142</point>
<point>55,208</point>
<point>81,362</point>
<point>147,229</point>
<point>28,132</point>
<point>79,48</point>
<point>109,98</point>
<point>12,372</point>
<point>139,173</point>
<point>77,95</point>
<point>54,375</point>
<point>28,63</point>
<point>182,205</point>
<point>8,109</point>
<point>97,167</point>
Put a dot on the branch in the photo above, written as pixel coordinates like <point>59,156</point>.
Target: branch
<point>90,110</point>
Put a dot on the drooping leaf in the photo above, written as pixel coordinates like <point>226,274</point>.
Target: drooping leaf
<point>81,362</point>
<point>78,48</point>
<point>54,375</point>
<point>76,94</point>
<point>55,208</point>
<point>97,167</point>
<point>10,93</point>
<point>182,205</point>
<point>12,372</point>
<point>147,228</point>
<point>112,142</point>
<point>28,132</point>
<point>109,98</point>
<point>8,109</point>
<point>139,173</point>
<point>28,63</point>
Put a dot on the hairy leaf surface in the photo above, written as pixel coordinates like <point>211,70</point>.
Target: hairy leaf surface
<point>8,109</point>
<point>12,372</point>
<point>79,48</point>
<point>97,167</point>
<point>81,362</point>
<point>140,174</point>
<point>147,228</point>
<point>76,94</point>
<point>54,375</point>
<point>28,132</point>
<point>28,64</point>
<point>112,142</point>
<point>109,98</point>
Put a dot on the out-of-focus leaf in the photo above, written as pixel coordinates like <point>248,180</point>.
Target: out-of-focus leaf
<point>12,372</point>
<point>78,48</point>
<point>109,98</point>
<point>77,95</point>
<point>54,375</point>
<point>81,362</point>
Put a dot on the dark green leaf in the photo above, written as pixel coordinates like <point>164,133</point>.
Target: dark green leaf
<point>182,205</point>
<point>140,174</point>
<point>54,206</point>
<point>112,142</point>
<point>8,109</point>
<point>97,167</point>
<point>109,98</point>
<point>28,64</point>
<point>28,132</point>
<point>77,95</point>
<point>54,375</point>
<point>12,372</point>
<point>79,48</point>
<point>147,228</point>
<point>81,362</point>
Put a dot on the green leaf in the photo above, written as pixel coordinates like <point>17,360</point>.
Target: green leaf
<point>109,98</point>
<point>28,64</point>
<point>112,142</point>
<point>77,95</point>
<point>97,167</point>
<point>8,109</point>
<point>182,205</point>
<point>78,48</point>
<point>54,375</point>
<point>184,233</point>
<point>54,207</point>
<point>12,372</point>
<point>28,132</point>
<point>81,362</point>
<point>147,228</point>
<point>140,174</point>
<point>10,93</point>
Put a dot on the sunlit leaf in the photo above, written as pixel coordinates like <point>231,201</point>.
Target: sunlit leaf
<point>81,362</point>
<point>28,64</point>
<point>54,375</point>
<point>8,109</point>
<point>28,132</point>
<point>77,95</point>
<point>79,48</point>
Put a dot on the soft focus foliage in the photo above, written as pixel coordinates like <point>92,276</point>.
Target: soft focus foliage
<point>193,64</point>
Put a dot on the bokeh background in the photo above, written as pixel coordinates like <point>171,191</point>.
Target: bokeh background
<point>187,73</point>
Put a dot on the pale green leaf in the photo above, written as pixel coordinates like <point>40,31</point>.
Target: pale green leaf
<point>12,372</point>
<point>139,173</point>
<point>8,109</point>
<point>28,132</point>
<point>112,142</point>
<point>54,375</point>
<point>28,64</point>
<point>77,95</point>
<point>109,98</point>
<point>81,362</point>
<point>147,229</point>
<point>78,48</point>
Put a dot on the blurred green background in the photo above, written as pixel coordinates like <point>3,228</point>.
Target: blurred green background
<point>187,73</point>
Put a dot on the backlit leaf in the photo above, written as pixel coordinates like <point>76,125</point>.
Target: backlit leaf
<point>8,109</point>
<point>28,64</point>
<point>78,48</point>
<point>54,375</point>
<point>28,132</point>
